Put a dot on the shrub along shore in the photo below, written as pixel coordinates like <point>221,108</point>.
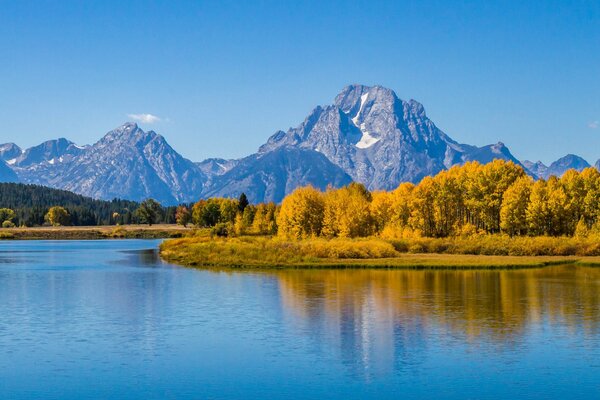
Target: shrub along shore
<point>489,251</point>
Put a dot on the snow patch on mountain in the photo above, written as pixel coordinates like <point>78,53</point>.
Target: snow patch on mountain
<point>366,140</point>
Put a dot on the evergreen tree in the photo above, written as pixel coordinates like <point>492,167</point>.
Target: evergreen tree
<point>242,202</point>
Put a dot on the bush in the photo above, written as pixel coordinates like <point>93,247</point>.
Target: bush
<point>222,229</point>
<point>118,232</point>
<point>348,248</point>
<point>417,248</point>
<point>8,224</point>
<point>400,245</point>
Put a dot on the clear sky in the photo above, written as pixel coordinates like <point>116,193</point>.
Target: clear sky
<point>223,76</point>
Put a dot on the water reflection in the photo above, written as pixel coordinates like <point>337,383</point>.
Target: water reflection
<point>147,258</point>
<point>383,320</point>
<point>109,319</point>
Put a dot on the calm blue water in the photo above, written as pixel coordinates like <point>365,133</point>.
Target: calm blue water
<point>108,319</point>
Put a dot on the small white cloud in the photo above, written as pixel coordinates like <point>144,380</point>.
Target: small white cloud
<point>145,118</point>
<point>594,125</point>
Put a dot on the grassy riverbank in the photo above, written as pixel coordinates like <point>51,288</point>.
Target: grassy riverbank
<point>266,252</point>
<point>94,232</point>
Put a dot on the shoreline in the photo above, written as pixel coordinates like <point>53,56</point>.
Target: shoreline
<point>192,248</point>
<point>160,231</point>
<point>270,253</point>
<point>407,262</point>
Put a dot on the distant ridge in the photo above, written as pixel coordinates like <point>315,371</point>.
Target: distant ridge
<point>126,163</point>
<point>558,167</point>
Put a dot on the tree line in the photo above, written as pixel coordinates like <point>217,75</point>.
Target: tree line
<point>30,205</point>
<point>229,217</point>
<point>498,197</point>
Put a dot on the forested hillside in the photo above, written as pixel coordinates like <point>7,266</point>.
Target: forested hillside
<point>31,203</point>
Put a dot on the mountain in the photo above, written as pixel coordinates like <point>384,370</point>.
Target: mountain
<point>538,169</point>
<point>368,135</point>
<point>51,151</point>
<point>6,173</point>
<point>563,164</point>
<point>558,167</point>
<point>597,165</point>
<point>216,166</point>
<point>9,152</point>
<point>272,175</point>
<point>379,139</point>
<point>126,163</point>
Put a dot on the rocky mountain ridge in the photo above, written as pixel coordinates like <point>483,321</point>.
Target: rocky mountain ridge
<point>126,163</point>
<point>368,135</point>
<point>558,167</point>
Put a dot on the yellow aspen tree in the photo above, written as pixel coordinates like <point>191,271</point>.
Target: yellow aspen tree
<point>513,213</point>
<point>332,204</point>
<point>260,223</point>
<point>591,201</point>
<point>401,206</point>
<point>537,214</point>
<point>423,212</point>
<point>447,203</point>
<point>301,213</point>
<point>381,210</point>
<point>347,212</point>
<point>558,208</point>
<point>574,188</point>
<point>496,178</point>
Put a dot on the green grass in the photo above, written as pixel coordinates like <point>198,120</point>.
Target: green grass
<point>267,252</point>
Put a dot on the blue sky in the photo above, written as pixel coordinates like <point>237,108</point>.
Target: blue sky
<point>223,76</point>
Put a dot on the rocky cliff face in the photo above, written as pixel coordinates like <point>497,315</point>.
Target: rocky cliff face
<point>379,139</point>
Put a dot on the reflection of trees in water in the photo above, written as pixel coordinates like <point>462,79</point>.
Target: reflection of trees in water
<point>381,320</point>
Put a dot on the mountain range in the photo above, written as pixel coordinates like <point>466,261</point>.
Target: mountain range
<point>367,135</point>
<point>558,167</point>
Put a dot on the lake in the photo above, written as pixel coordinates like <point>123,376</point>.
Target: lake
<point>108,319</point>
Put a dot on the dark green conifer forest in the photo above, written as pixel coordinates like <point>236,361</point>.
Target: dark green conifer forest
<point>31,203</point>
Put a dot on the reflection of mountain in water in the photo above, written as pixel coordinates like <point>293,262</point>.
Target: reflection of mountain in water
<point>383,320</point>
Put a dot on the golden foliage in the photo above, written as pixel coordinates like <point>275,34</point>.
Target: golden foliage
<point>302,213</point>
<point>462,201</point>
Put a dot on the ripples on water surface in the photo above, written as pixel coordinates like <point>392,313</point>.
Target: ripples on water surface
<point>108,319</point>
